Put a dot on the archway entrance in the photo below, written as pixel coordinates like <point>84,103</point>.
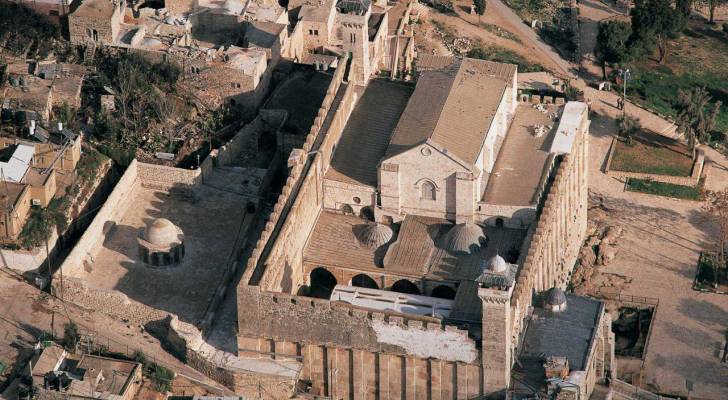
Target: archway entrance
<point>443,292</point>
<point>364,281</point>
<point>322,283</point>
<point>405,286</point>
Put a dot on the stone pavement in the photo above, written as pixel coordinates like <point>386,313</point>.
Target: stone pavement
<point>659,250</point>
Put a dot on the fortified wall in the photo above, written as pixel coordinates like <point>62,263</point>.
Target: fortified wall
<point>554,242</point>
<point>388,355</point>
<point>304,187</point>
<point>352,352</point>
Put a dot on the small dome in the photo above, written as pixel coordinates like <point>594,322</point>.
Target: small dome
<point>555,298</point>
<point>373,235</point>
<point>162,232</point>
<point>497,264</point>
<point>464,238</point>
<point>233,6</point>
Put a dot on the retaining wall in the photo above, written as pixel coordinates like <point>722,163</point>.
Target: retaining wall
<point>105,220</point>
<point>691,180</point>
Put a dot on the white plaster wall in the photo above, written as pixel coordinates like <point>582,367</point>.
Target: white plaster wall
<point>425,343</point>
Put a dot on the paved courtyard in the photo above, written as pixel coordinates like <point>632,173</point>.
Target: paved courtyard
<point>659,251</point>
<point>210,219</point>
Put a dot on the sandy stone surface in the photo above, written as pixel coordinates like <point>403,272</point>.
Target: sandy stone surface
<point>210,219</point>
<point>25,312</point>
<point>658,253</point>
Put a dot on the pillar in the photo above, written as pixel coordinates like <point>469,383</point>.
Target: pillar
<point>496,341</point>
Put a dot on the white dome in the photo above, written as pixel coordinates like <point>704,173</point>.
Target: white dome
<point>233,7</point>
<point>497,264</point>
<point>373,235</point>
<point>464,238</point>
<point>162,232</point>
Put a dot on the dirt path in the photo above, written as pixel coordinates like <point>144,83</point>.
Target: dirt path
<point>527,43</point>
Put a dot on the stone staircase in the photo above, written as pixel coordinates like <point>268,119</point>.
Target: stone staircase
<point>89,54</point>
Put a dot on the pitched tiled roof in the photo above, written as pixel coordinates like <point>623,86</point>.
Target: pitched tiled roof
<point>453,108</point>
<point>367,133</point>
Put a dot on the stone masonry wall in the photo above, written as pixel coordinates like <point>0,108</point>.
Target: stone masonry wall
<point>110,213</point>
<point>555,241</point>
<point>350,352</point>
<point>276,272</point>
<point>161,177</point>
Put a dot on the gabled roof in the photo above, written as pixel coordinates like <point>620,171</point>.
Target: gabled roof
<point>453,108</point>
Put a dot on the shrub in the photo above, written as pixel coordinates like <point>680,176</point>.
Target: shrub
<point>70,335</point>
<point>725,27</point>
<point>162,378</point>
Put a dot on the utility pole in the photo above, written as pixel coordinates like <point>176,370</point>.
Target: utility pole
<point>625,74</point>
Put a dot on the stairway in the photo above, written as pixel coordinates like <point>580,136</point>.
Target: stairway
<point>89,54</point>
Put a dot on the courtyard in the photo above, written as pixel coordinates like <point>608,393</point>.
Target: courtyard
<point>657,257</point>
<point>210,218</point>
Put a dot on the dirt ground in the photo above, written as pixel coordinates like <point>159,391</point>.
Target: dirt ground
<point>656,257</point>
<point>26,312</point>
<point>210,220</point>
<point>499,27</point>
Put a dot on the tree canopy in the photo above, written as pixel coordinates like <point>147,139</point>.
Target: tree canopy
<point>612,40</point>
<point>480,6</point>
<point>654,22</point>
<point>696,118</point>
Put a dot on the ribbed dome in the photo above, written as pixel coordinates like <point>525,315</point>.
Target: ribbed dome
<point>555,297</point>
<point>373,235</point>
<point>497,264</point>
<point>464,238</point>
<point>162,232</point>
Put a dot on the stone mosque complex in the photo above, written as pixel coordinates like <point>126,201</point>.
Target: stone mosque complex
<point>423,242</point>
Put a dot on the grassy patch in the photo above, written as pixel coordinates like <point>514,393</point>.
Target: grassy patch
<point>500,32</point>
<point>644,157</point>
<point>697,58</point>
<point>666,189</point>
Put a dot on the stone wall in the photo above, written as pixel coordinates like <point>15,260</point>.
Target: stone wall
<point>691,180</point>
<point>273,270</point>
<point>348,351</point>
<point>553,244</point>
<point>111,302</point>
<point>162,177</point>
<point>105,220</point>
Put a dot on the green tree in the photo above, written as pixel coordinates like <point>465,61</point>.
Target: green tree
<point>716,212</point>
<point>654,22</point>
<point>628,127</point>
<point>480,8</point>
<point>70,335</point>
<point>696,117</point>
<point>611,47</point>
<point>37,228</point>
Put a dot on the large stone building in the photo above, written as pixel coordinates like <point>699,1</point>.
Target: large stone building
<point>421,243</point>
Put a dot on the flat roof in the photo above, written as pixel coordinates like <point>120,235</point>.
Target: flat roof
<point>14,167</point>
<point>567,333</point>
<point>569,123</point>
<point>523,158</point>
<point>386,300</point>
<point>367,133</point>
